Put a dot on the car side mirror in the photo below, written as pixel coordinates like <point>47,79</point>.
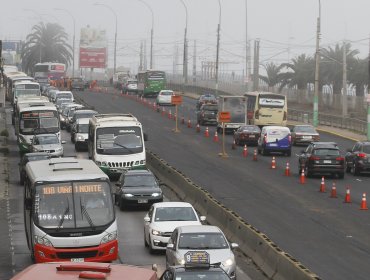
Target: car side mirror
<point>234,245</point>
<point>170,246</point>
<point>28,203</point>
<point>64,141</point>
<point>202,218</point>
<point>146,219</point>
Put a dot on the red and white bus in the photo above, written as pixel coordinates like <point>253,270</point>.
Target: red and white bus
<point>46,71</point>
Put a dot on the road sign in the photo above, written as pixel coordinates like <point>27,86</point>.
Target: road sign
<point>224,117</point>
<point>176,99</point>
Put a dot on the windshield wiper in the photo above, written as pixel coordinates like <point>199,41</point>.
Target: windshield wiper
<point>123,146</point>
<point>88,218</point>
<point>62,219</point>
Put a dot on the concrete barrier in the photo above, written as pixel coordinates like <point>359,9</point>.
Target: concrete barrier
<point>273,261</point>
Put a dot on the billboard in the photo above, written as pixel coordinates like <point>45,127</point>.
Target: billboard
<point>93,48</point>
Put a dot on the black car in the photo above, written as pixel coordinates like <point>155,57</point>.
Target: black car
<point>137,188</point>
<point>321,158</point>
<point>207,114</point>
<point>206,99</point>
<point>358,158</point>
<point>247,134</point>
<point>30,157</point>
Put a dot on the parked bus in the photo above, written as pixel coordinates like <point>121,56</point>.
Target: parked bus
<point>46,71</point>
<point>69,212</point>
<point>266,108</point>
<point>151,82</point>
<point>35,118</point>
<point>116,143</point>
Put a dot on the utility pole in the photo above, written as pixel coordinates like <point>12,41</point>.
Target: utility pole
<point>317,70</point>
<point>256,65</point>
<point>218,47</point>
<point>141,56</point>
<point>145,62</point>
<point>195,62</point>
<point>368,99</point>
<point>246,47</point>
<point>344,100</point>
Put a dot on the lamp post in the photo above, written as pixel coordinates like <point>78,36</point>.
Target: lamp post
<point>185,62</point>
<point>74,33</point>
<point>218,46</point>
<point>317,69</point>
<point>151,33</point>
<point>115,33</point>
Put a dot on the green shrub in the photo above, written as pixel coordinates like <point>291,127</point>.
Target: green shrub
<point>4,133</point>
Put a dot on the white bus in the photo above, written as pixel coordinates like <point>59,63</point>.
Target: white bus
<point>116,143</point>
<point>35,118</point>
<point>69,212</point>
<point>266,108</point>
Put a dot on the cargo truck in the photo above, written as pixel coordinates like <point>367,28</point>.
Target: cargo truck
<point>237,107</point>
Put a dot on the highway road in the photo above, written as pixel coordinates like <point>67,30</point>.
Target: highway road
<point>329,237</point>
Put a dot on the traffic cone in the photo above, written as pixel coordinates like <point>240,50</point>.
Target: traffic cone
<point>245,151</point>
<point>233,145</point>
<point>363,202</point>
<point>347,198</point>
<point>206,132</point>
<point>182,120</point>
<point>189,123</point>
<point>302,178</point>
<point>163,111</point>
<point>215,137</point>
<point>287,170</point>
<point>197,129</point>
<point>169,114</point>
<point>322,185</point>
<point>255,155</point>
<point>273,163</point>
<point>333,193</point>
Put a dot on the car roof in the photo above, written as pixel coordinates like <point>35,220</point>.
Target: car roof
<point>172,204</point>
<point>83,121</point>
<point>138,172</point>
<point>198,229</point>
<point>85,111</point>
<point>331,145</point>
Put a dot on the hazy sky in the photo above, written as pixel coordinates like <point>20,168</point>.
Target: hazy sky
<point>286,28</point>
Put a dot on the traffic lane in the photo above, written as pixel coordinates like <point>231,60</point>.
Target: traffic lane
<point>265,205</point>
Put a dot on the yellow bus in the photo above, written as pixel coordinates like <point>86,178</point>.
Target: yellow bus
<point>266,108</point>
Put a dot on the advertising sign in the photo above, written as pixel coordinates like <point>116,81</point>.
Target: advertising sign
<point>93,48</point>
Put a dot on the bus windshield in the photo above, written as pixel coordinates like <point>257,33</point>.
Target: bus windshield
<point>46,122</point>
<point>271,101</point>
<point>119,140</point>
<point>157,75</point>
<point>69,205</point>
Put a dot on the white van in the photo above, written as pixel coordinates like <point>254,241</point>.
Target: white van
<point>275,139</point>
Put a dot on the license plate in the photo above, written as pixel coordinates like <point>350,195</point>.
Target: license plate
<point>273,145</point>
<point>142,201</point>
<point>78,260</point>
<point>307,137</point>
<point>251,136</point>
<point>327,161</point>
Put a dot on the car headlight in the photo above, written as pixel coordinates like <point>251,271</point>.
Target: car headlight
<point>58,149</point>
<point>181,261</point>
<point>42,241</point>
<point>128,195</point>
<point>62,118</point>
<point>156,194</point>
<point>109,237</point>
<point>156,232</point>
<point>228,262</point>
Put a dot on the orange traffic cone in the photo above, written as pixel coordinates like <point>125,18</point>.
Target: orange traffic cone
<point>182,120</point>
<point>197,129</point>
<point>169,114</point>
<point>215,137</point>
<point>347,198</point>
<point>363,202</point>
<point>163,111</point>
<point>322,185</point>
<point>206,132</point>
<point>233,145</point>
<point>245,151</point>
<point>333,193</point>
<point>273,163</point>
<point>302,178</point>
<point>287,170</point>
<point>189,123</point>
<point>255,155</point>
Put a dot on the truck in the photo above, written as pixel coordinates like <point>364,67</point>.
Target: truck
<point>120,76</point>
<point>237,107</point>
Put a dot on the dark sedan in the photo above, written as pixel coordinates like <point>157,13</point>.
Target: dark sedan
<point>247,134</point>
<point>321,158</point>
<point>206,99</point>
<point>207,114</point>
<point>137,188</point>
<point>358,158</point>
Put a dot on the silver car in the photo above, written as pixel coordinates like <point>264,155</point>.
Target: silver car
<point>202,238</point>
<point>48,143</point>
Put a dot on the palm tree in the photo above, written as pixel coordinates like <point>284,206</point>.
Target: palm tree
<point>47,43</point>
<point>273,75</point>
<point>358,75</point>
<point>300,72</point>
<point>332,65</point>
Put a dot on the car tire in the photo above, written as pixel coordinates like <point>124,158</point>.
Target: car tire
<point>145,242</point>
<point>354,169</point>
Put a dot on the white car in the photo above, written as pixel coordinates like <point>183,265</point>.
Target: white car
<point>164,97</point>
<point>48,143</point>
<point>81,133</point>
<point>163,218</point>
<point>203,239</point>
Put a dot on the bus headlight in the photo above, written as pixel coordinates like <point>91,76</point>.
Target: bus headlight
<point>42,241</point>
<point>109,237</point>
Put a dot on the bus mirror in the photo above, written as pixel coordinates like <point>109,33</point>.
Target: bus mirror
<point>28,203</point>
<point>145,137</point>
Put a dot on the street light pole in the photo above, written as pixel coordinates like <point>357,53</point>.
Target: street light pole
<point>246,46</point>
<point>74,33</point>
<point>218,46</point>
<point>151,33</point>
<point>185,62</point>
<point>317,69</point>
<point>115,34</point>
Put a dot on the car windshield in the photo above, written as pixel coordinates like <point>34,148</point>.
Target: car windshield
<point>38,157</point>
<point>326,152</point>
<point>140,181</point>
<point>307,129</point>
<point>45,140</point>
<point>163,214</point>
<point>73,205</point>
<point>83,128</point>
<point>167,93</point>
<point>251,129</point>
<point>202,275</point>
<point>202,240</point>
<point>207,98</point>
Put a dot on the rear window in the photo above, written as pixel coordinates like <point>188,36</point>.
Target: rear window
<point>307,129</point>
<point>326,152</point>
<point>210,108</point>
<point>251,129</point>
<point>167,93</point>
